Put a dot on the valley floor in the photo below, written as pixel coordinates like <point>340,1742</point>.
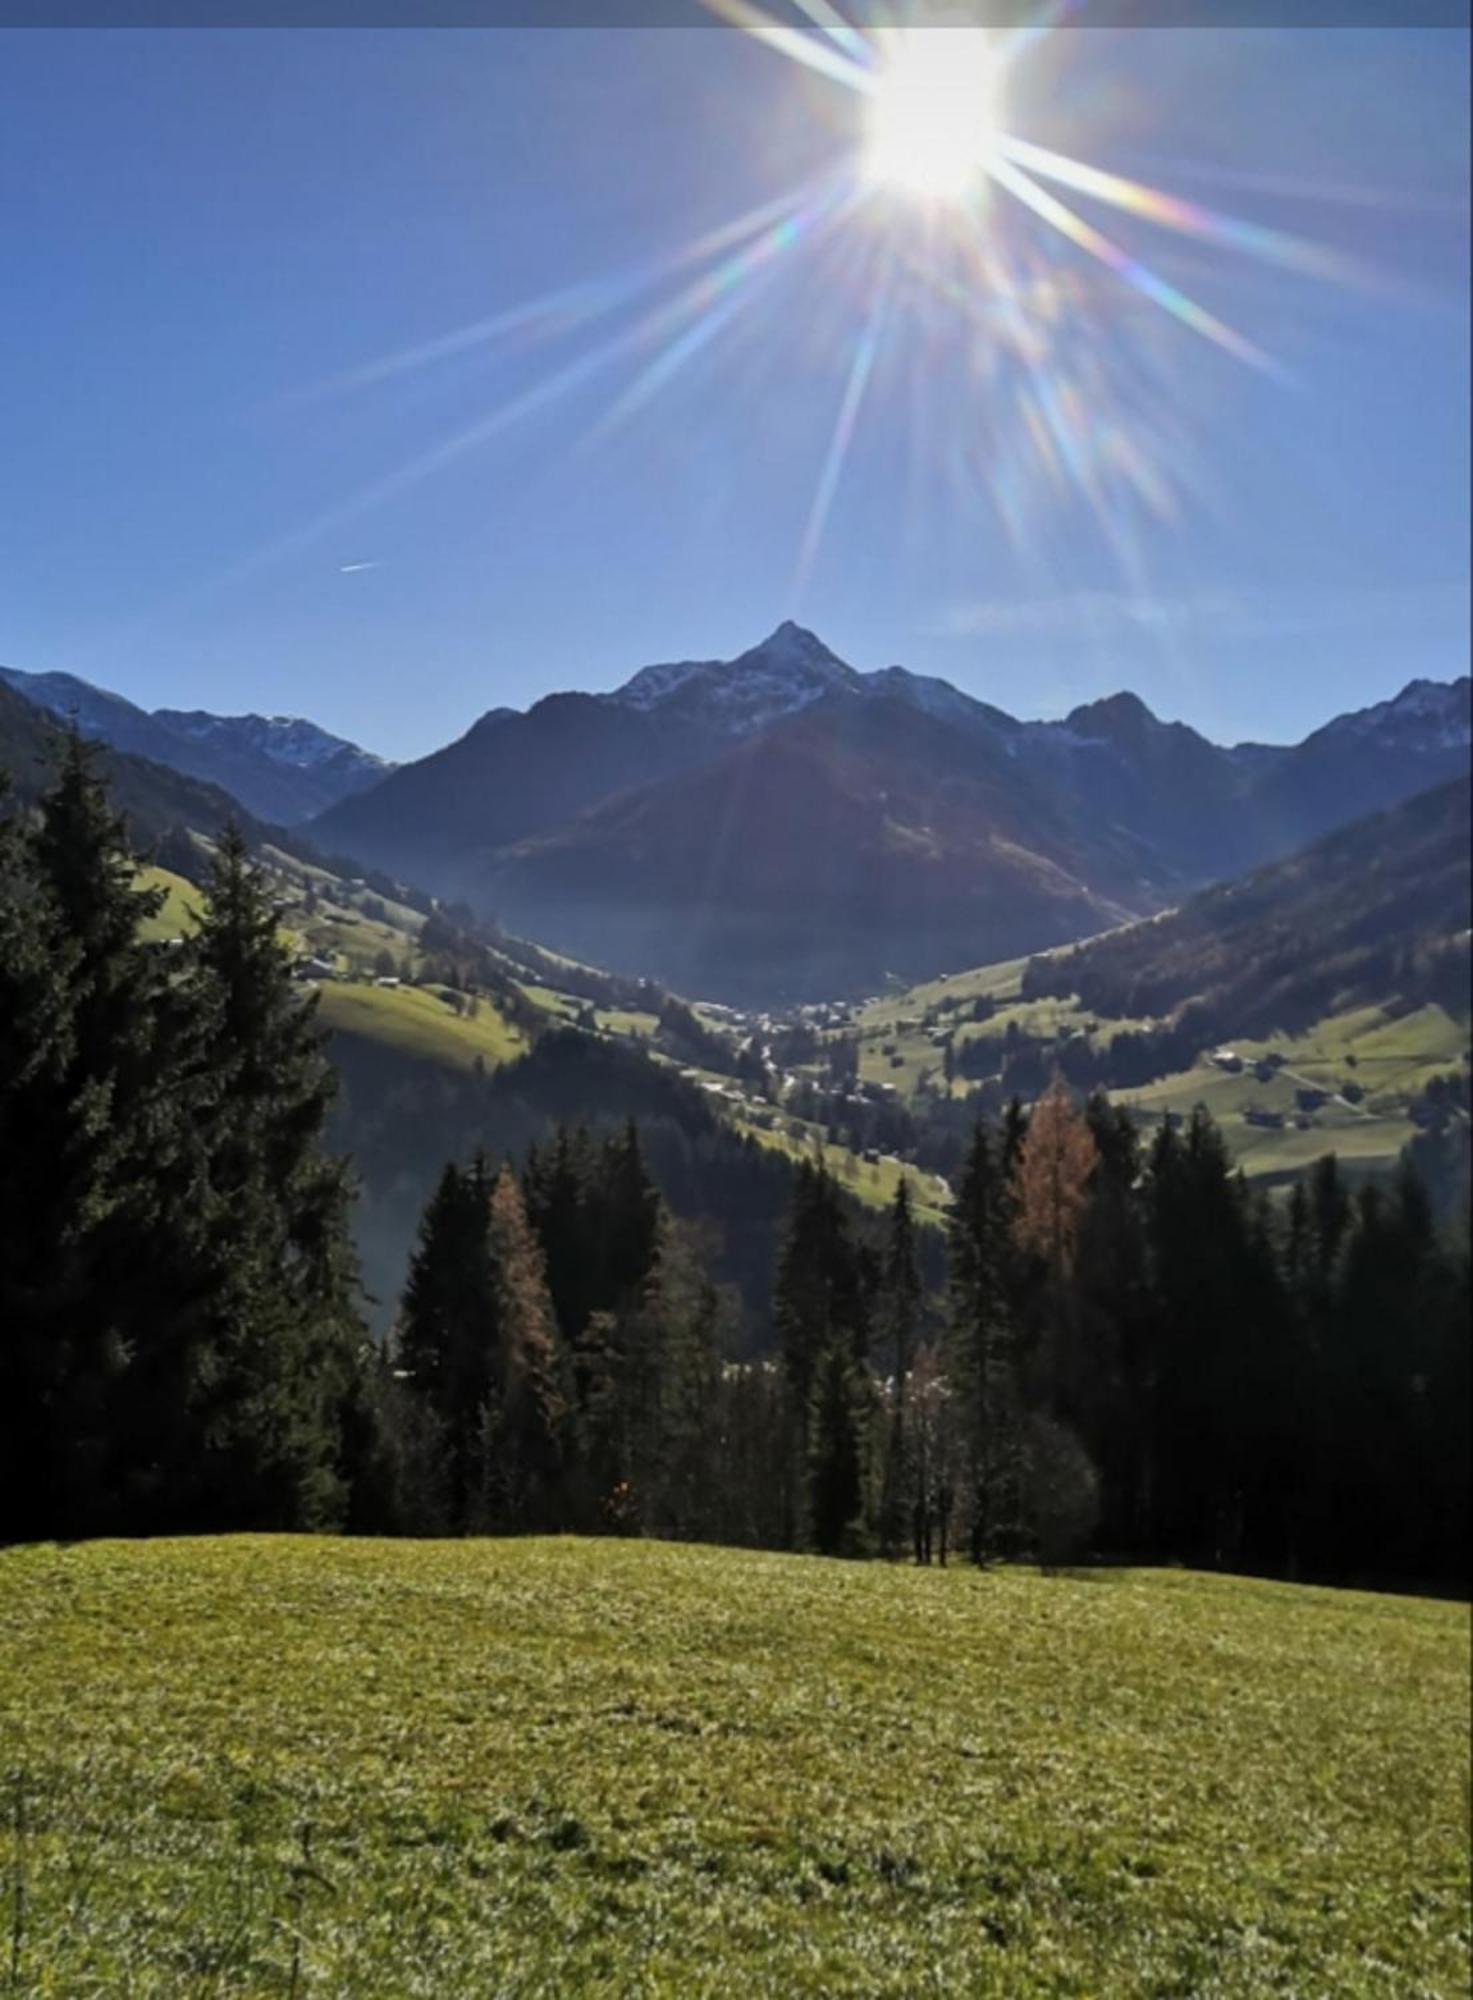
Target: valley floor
<point>291,1766</point>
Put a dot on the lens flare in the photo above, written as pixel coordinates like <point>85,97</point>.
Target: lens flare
<point>934,272</point>
<point>932,117</point>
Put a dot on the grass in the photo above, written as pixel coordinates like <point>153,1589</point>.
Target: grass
<point>284,1766</point>
<point>551,1001</point>
<point>631,1025</point>
<point>1389,1054</point>
<point>417,1022</point>
<point>872,1182</point>
<point>1001,982</point>
<point>895,1031</point>
<point>180,906</point>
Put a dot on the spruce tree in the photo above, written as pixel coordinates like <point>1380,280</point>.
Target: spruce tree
<point>1197,1226</point>
<point>477,1343</point>
<point>92,1135</point>
<point>279,1332</point>
<point>1107,1396</point>
<point>834,1486</point>
<point>37,1117</point>
<point>684,1312</point>
<point>446,1331</point>
<point>901,1311</point>
<point>630,1225</point>
<point>818,1303</point>
<point>982,1347</point>
<point>557,1190</point>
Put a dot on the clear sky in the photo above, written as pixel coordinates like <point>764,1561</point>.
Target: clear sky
<point>938,428</point>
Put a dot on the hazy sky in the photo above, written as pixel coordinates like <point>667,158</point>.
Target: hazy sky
<point>940,435</point>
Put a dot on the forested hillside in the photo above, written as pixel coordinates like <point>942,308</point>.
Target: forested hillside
<point>1381,906</point>
<point>1128,1350</point>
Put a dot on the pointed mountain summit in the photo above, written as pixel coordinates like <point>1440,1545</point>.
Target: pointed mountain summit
<point>788,671</point>
<point>1117,718</point>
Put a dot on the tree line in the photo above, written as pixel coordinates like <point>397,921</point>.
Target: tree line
<point>1135,1354</point>
<point>1132,1354</point>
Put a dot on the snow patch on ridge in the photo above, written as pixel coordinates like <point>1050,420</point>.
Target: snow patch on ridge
<point>289,740</point>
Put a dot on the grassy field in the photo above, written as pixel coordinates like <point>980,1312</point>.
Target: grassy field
<point>873,1182</point>
<point>179,908</point>
<point>416,1021</point>
<point>285,1766</point>
<point>1390,1053</point>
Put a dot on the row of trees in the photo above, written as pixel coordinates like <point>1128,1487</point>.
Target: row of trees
<point>556,1363</point>
<point>1139,1354</point>
<point>1135,1353</point>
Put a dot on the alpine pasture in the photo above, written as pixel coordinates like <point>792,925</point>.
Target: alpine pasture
<point>285,1766</point>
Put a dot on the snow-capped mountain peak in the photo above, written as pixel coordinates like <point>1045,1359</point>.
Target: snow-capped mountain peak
<point>653,685</point>
<point>288,740</point>
<point>788,671</point>
<point>937,698</point>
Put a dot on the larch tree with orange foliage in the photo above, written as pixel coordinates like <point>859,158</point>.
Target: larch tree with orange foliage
<point>1052,1180</point>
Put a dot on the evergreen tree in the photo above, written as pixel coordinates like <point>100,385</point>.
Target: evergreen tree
<point>1105,1397</point>
<point>685,1307</point>
<point>443,1335</point>
<point>556,1188</point>
<point>629,1217</point>
<point>834,1490</point>
<point>278,1335</point>
<point>983,1349</point>
<point>91,1134</point>
<point>1197,1233</point>
<point>901,1293</point>
<point>818,1303</point>
<point>37,1116</point>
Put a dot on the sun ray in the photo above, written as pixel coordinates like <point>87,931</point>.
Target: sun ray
<point>795,43</point>
<point>556,313</point>
<point>993,285</point>
<point>832,469</point>
<point>1187,218</point>
<point>718,297</point>
<point>1136,274</point>
<point>842,32</point>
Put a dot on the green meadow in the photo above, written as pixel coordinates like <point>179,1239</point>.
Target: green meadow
<point>285,1766</point>
<point>420,1021</point>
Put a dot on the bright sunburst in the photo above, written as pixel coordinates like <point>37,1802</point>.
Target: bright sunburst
<point>1027,345</point>
<point>932,116</point>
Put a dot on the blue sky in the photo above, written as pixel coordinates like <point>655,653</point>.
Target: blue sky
<point>212,496</point>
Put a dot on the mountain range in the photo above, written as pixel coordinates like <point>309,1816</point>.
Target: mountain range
<point>154,798</point>
<point>281,768</point>
<point>783,827</point>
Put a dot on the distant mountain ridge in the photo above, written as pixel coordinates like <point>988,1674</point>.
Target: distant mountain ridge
<point>782,826</point>
<point>1379,906</point>
<point>281,768</point>
<point>153,798</point>
<point>781,823</point>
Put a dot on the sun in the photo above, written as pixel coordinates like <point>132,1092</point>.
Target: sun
<point>933,114</point>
